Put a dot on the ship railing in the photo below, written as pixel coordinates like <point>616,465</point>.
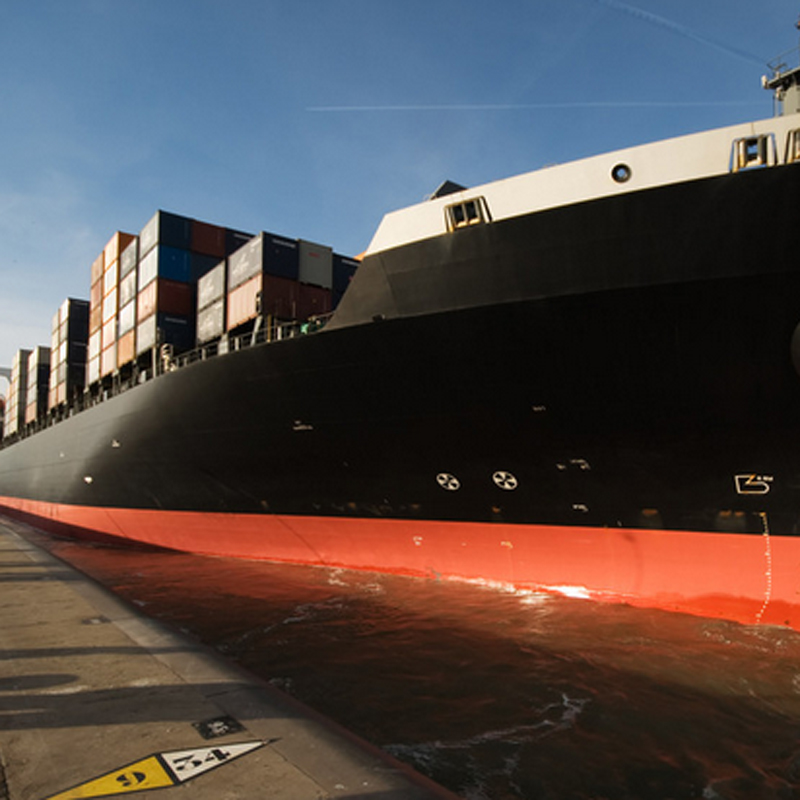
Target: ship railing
<point>265,331</point>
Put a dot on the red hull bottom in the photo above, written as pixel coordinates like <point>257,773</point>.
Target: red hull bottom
<point>744,578</point>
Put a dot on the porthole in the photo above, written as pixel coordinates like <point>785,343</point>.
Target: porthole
<point>621,173</point>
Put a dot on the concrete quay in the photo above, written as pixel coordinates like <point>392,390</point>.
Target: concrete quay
<point>97,700</point>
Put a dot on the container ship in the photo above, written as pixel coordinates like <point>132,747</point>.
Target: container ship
<point>582,380</point>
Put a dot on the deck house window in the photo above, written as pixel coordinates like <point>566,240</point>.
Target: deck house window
<point>793,146</point>
<point>750,152</point>
<point>467,213</point>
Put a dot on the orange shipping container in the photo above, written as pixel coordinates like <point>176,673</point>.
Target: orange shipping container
<point>126,348</point>
<point>242,302</point>
<point>95,318</point>
<point>166,296</point>
<point>96,294</point>
<point>98,265</point>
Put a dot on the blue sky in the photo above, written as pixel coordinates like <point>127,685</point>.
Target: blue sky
<point>312,118</point>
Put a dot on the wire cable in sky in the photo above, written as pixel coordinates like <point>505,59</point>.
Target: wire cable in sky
<point>680,30</point>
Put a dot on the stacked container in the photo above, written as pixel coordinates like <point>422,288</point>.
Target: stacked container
<point>68,351</point>
<point>174,252</point>
<point>38,384</point>
<point>111,272</point>
<point>126,318</point>
<point>17,394</point>
<point>211,304</point>
<point>95,321</point>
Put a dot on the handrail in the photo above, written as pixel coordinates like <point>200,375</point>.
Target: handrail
<point>165,362</point>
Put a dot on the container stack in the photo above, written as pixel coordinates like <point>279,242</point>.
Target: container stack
<point>111,273</point>
<point>17,394</point>
<point>68,351</point>
<point>95,321</point>
<point>174,253</point>
<point>126,325</point>
<point>211,304</point>
<point>38,384</point>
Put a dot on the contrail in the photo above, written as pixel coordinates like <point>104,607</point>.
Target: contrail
<point>527,106</point>
<point>680,30</point>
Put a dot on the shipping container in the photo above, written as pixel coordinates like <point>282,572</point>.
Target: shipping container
<point>169,297</point>
<point>116,244</point>
<point>208,239</point>
<point>93,370</point>
<point>161,329</point>
<point>127,319</point>
<point>235,239</point>
<point>165,262</point>
<point>211,321</point>
<point>244,302</point>
<point>312,301</point>
<point>108,360</point>
<point>201,264</point>
<point>110,305</point>
<point>17,399</point>
<point>126,348</point>
<point>95,344</point>
<point>127,288</point>
<point>129,257</point>
<point>211,287</point>
<point>96,294</point>
<point>110,277</point>
<point>98,267</point>
<point>109,333</point>
<point>266,253</point>
<point>316,264</point>
<point>343,270</point>
<point>164,228</point>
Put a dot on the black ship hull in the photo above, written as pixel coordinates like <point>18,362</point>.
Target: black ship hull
<point>600,399</point>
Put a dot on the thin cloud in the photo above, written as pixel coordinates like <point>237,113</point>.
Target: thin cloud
<point>680,30</point>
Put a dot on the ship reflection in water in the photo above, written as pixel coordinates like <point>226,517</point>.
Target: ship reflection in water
<point>497,695</point>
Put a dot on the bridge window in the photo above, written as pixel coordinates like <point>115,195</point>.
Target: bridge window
<point>793,146</point>
<point>467,213</point>
<point>751,152</point>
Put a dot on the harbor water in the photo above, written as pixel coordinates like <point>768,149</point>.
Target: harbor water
<point>497,695</point>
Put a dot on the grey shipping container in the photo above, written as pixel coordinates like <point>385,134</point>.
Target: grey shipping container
<point>267,253</point>
<point>211,322</point>
<point>167,229</point>
<point>211,286</point>
<point>316,264</point>
<point>129,257</point>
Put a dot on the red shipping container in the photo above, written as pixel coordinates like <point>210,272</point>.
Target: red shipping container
<point>126,348</point>
<point>280,297</point>
<point>166,296</point>
<point>208,239</point>
<point>312,301</point>
<point>242,302</point>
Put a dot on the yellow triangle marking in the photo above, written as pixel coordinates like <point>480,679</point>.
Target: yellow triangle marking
<point>137,777</point>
